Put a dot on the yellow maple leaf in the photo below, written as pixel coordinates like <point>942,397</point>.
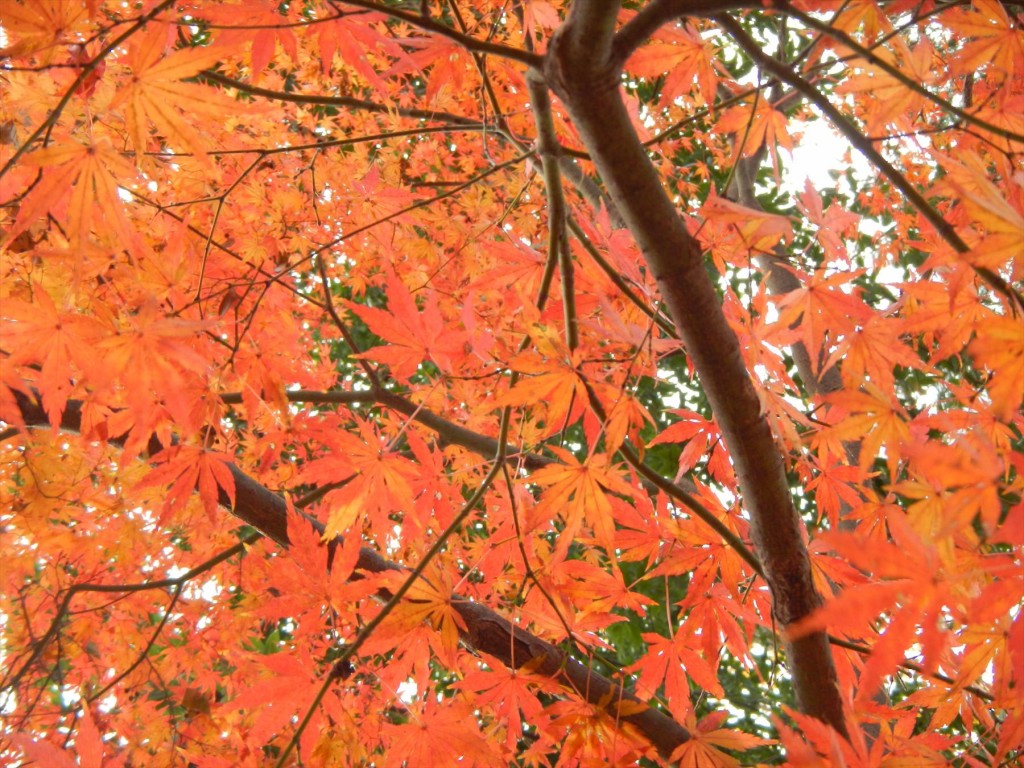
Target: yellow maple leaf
<point>40,26</point>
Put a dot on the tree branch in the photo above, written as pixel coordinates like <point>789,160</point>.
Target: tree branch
<point>558,241</point>
<point>860,142</point>
<point>449,432</point>
<point>583,69</point>
<point>64,610</point>
<point>486,631</point>
<point>781,281</point>
<point>317,99</point>
<point>897,74</point>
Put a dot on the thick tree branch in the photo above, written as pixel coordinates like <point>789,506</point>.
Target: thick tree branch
<point>486,631</point>
<point>450,432</point>
<point>447,431</point>
<point>582,67</point>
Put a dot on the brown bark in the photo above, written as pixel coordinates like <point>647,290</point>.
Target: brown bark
<point>583,68</point>
<point>486,631</point>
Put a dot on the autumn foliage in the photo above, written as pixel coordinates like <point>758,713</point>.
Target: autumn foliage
<point>480,383</point>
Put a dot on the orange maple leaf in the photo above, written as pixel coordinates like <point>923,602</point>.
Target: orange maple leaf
<point>438,735</point>
<point>873,352</point>
<point>909,585</point>
<point>700,437</point>
<point>554,387</point>
<point>429,599</point>
<point>376,480</point>
<point>577,492</point>
<point>682,57</point>
<point>40,25</point>
<point>413,336</point>
<point>764,127</point>
<point>834,223</point>
<point>998,216</point>
<point>823,311</point>
<point>999,346</point>
<point>996,40</point>
<point>189,468</point>
<point>254,26</point>
<point>155,94</point>
<point>159,355</point>
<point>708,739</point>
<point>83,181</point>
<point>668,661</point>
<point>733,233</point>
<point>88,747</point>
<point>600,591</point>
<point>511,691</point>
<point>870,416</point>
<point>626,418</point>
<point>60,341</point>
<point>290,687</point>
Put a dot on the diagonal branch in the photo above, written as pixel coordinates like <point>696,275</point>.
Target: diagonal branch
<point>88,69</point>
<point>896,73</point>
<point>447,431</point>
<point>860,142</point>
<point>64,610</point>
<point>370,371</point>
<point>450,432</point>
<point>348,102</point>
<point>416,573</point>
<point>485,630</point>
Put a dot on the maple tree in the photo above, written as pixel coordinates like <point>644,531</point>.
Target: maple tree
<point>451,382</point>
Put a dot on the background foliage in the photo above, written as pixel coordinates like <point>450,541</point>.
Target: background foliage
<point>352,263</point>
